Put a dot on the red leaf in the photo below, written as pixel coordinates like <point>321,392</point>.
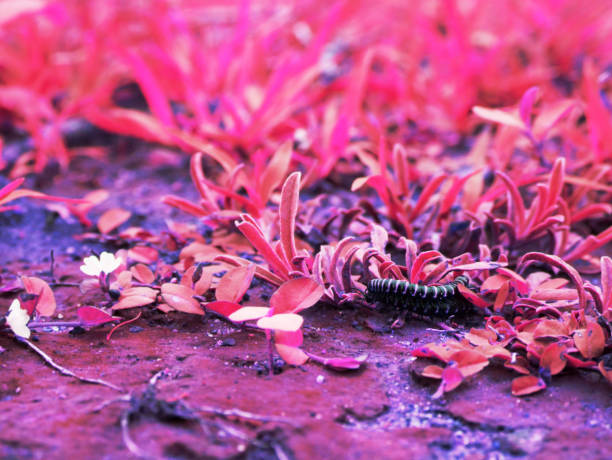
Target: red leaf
<point>45,304</point>
<point>451,379</point>
<point>223,308</point>
<point>296,295</point>
<point>469,362</point>
<point>426,194</point>
<point>420,262</point>
<point>293,339</point>
<point>252,233</point>
<point>233,285</point>
<point>553,358</point>
<point>472,297</point>
<point>559,263</point>
<point>91,316</point>
<point>550,328</point>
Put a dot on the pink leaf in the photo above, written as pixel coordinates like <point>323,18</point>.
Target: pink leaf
<point>526,104</point>
<point>288,209</point>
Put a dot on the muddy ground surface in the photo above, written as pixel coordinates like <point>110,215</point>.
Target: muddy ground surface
<point>382,411</point>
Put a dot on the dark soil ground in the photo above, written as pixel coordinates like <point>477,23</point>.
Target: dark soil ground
<point>215,398</point>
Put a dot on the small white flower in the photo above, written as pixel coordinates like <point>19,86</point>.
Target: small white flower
<point>107,263</point>
<point>18,319</point>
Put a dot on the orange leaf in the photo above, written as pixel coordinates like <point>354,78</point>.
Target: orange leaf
<point>291,355</point>
<point>296,295</point>
<point>553,358</point>
<point>132,301</point>
<point>235,283</point>
<point>519,364</point>
<point>112,219</point>
<point>590,341</point>
<point>181,298</point>
<point>469,362</point>
<point>45,305</point>
<point>433,372</point>
<point>526,385</point>
<point>547,328</point>
<point>502,296</point>
<point>143,273</point>
<point>481,336</point>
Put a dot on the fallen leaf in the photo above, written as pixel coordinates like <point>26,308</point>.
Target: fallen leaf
<point>590,341</point>
<point>181,298</point>
<point>45,305</point>
<point>112,219</point>
<point>553,358</point>
<point>143,274</point>
<point>91,316</point>
<point>526,385</point>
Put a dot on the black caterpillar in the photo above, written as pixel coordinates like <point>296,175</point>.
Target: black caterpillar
<point>441,301</point>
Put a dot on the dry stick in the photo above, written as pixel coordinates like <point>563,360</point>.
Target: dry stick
<point>239,413</point>
<point>63,370</point>
<point>127,439</point>
<point>39,324</point>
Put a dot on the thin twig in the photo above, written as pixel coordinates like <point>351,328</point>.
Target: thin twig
<point>39,324</point>
<point>127,439</point>
<point>63,370</point>
<point>239,413</point>
<point>54,284</point>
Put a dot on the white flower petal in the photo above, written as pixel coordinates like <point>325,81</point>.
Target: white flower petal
<point>91,266</point>
<point>109,263</point>
<point>18,319</point>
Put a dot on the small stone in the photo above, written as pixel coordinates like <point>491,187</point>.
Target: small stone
<point>320,378</point>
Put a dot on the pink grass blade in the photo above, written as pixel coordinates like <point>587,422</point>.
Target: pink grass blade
<point>290,197</point>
